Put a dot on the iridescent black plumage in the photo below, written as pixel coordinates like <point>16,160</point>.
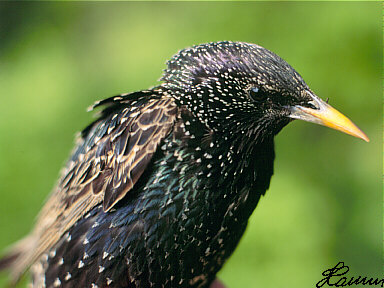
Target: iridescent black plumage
<point>159,190</point>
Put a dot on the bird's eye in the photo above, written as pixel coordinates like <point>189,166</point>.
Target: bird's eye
<point>257,94</point>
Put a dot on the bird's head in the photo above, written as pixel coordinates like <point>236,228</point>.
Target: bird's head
<point>239,86</point>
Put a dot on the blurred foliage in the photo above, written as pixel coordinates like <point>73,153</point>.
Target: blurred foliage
<point>324,203</point>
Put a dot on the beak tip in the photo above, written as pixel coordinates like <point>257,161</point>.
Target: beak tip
<point>356,132</point>
<point>359,134</point>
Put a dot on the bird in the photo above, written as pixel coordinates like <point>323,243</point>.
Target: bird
<point>159,187</point>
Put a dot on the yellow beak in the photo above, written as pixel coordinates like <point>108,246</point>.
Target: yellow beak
<point>328,116</point>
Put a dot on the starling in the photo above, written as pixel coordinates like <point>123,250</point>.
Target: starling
<point>159,189</point>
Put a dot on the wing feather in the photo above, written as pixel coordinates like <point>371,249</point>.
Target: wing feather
<point>110,157</point>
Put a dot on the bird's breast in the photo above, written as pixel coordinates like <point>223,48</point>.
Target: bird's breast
<point>193,212</point>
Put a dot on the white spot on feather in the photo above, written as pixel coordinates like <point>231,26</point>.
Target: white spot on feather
<point>57,283</point>
<point>52,253</point>
<point>67,276</point>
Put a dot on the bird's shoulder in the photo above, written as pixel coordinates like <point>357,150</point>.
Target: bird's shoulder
<point>115,149</point>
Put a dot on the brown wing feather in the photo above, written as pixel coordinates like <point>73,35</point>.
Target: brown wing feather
<point>104,167</point>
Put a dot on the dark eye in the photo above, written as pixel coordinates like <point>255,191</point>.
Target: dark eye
<point>257,94</point>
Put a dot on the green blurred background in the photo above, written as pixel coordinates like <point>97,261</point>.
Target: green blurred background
<point>324,204</point>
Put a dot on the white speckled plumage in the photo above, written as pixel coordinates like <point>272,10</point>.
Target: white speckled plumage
<point>159,189</point>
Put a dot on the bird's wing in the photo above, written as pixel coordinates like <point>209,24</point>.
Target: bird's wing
<point>108,160</point>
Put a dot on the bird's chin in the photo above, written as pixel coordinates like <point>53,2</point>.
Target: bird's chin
<point>282,123</point>
<point>277,125</point>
